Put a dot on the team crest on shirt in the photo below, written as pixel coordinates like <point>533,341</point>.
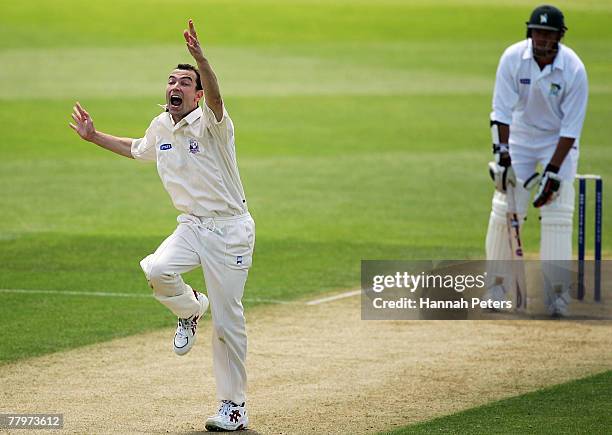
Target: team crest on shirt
<point>194,146</point>
<point>555,89</point>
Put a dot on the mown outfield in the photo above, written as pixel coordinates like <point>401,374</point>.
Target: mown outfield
<point>362,133</point>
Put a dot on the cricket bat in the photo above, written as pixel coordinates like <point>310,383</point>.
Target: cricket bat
<point>518,264</point>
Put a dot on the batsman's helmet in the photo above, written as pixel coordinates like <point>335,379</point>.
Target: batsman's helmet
<point>546,17</point>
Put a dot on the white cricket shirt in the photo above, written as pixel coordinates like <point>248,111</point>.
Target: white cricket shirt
<point>196,161</point>
<point>540,106</point>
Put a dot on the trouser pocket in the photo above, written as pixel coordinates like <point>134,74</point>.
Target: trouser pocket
<point>240,242</point>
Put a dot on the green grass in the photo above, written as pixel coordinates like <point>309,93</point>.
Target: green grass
<point>362,133</point>
<point>578,407</point>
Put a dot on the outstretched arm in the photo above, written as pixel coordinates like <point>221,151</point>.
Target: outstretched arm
<point>85,128</point>
<point>212,95</point>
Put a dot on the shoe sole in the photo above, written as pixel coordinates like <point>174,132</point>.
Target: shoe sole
<point>180,351</point>
<point>214,428</point>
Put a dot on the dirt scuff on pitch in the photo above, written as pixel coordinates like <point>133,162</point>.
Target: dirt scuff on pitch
<point>313,369</point>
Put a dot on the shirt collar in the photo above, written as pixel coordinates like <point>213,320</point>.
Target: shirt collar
<point>558,62</point>
<point>193,116</point>
<point>528,52</point>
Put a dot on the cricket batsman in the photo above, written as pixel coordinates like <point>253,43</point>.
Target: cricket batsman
<point>539,105</point>
<point>195,154</point>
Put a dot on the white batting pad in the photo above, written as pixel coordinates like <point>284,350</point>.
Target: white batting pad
<point>556,239</point>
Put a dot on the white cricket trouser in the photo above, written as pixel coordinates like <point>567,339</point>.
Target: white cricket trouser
<point>556,218</point>
<point>224,249</point>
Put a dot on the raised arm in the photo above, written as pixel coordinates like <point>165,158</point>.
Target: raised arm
<point>84,127</point>
<point>212,95</point>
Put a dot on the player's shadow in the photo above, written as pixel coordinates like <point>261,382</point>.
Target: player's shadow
<point>241,432</point>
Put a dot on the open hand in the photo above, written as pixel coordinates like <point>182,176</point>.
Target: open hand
<point>83,123</point>
<point>193,45</point>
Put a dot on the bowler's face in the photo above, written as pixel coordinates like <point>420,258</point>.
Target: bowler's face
<point>181,94</point>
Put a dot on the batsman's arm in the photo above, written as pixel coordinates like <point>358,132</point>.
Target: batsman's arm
<point>212,94</point>
<point>505,95</point>
<point>564,146</point>
<point>505,98</point>
<point>574,108</point>
<point>84,127</point>
<point>503,132</point>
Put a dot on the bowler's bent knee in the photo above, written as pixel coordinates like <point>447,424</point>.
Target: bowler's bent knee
<point>158,276</point>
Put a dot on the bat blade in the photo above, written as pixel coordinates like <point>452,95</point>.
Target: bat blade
<point>516,248</point>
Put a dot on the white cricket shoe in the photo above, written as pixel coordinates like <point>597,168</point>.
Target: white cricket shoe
<point>229,418</point>
<point>185,335</point>
<point>559,307</point>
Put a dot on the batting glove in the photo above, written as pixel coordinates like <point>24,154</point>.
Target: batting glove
<point>501,170</point>
<point>548,186</point>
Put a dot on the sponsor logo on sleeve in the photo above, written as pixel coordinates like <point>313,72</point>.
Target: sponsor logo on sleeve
<point>165,146</point>
<point>525,81</point>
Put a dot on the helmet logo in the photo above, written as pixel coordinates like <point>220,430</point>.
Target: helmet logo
<point>543,18</point>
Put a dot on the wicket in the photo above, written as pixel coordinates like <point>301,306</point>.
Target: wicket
<point>582,197</point>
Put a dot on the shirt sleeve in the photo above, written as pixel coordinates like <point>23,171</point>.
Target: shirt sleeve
<point>222,130</point>
<point>505,94</point>
<point>574,105</point>
<point>144,148</point>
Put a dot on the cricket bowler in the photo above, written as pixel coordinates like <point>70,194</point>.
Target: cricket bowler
<point>539,105</point>
<point>195,153</point>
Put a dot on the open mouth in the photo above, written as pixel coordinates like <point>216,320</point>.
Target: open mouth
<point>176,100</point>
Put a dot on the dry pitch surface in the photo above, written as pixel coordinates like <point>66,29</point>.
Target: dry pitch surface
<point>313,369</point>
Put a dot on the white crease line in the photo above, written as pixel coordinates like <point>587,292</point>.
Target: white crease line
<point>112,294</point>
<point>335,297</point>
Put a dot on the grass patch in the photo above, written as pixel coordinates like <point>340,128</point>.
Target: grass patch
<point>577,407</point>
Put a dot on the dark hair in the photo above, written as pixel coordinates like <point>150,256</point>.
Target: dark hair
<point>189,67</point>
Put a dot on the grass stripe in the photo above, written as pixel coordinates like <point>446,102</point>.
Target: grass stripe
<point>578,407</point>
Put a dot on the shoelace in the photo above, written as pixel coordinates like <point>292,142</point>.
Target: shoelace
<point>225,408</point>
<point>186,324</point>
